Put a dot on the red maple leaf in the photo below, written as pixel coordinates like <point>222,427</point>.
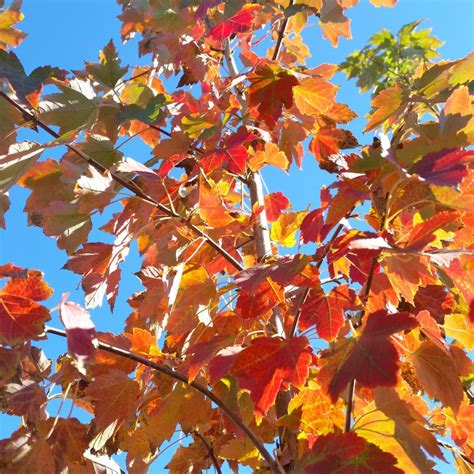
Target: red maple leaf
<point>269,362</point>
<point>238,23</point>
<point>447,167</point>
<point>348,453</point>
<point>372,358</point>
<point>327,311</point>
<point>274,204</point>
<point>271,88</point>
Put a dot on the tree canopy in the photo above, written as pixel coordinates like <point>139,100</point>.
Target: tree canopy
<point>331,339</point>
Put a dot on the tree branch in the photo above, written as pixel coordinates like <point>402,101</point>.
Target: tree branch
<point>126,183</point>
<point>196,385</point>
<point>351,389</point>
<point>281,35</point>
<point>263,245</point>
<point>210,451</point>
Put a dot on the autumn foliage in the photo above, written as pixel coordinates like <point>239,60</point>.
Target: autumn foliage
<point>348,354</point>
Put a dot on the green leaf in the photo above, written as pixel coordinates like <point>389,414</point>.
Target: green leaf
<point>389,59</point>
<point>108,71</point>
<point>148,114</point>
<point>72,109</point>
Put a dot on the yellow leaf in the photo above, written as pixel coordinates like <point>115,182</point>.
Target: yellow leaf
<point>458,327</point>
<point>211,205</point>
<point>383,3</point>
<point>387,104</point>
<point>285,227</point>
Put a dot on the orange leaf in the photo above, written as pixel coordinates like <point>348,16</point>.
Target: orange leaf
<point>10,36</point>
<point>387,104</point>
<point>410,430</point>
<point>328,141</point>
<point>333,22</point>
<point>271,155</point>
<point>21,318</point>
<point>313,412</point>
<point>211,205</point>
<point>314,96</point>
<point>438,374</point>
<point>115,398</point>
<point>383,3</point>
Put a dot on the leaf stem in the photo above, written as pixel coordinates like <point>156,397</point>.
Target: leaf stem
<point>196,385</point>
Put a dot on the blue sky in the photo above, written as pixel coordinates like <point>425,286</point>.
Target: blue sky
<point>64,33</point>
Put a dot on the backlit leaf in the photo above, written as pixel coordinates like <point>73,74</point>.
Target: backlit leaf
<point>237,23</point>
<point>10,16</point>
<point>372,358</point>
<point>21,317</point>
<point>269,362</point>
<point>333,22</point>
<point>285,227</point>
<point>387,104</point>
<point>270,89</point>
<point>20,157</point>
<point>81,336</point>
<point>344,453</point>
<point>438,374</point>
<point>314,96</point>
<point>275,203</point>
<point>73,108</point>
<point>327,311</point>
<point>444,168</point>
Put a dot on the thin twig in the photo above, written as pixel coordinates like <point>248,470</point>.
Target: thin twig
<point>303,299</point>
<point>126,183</point>
<point>196,385</point>
<point>210,451</point>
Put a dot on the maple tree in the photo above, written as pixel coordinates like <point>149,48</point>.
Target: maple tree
<point>350,357</point>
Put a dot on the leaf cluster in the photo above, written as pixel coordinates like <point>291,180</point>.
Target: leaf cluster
<point>350,354</point>
<point>389,59</point>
